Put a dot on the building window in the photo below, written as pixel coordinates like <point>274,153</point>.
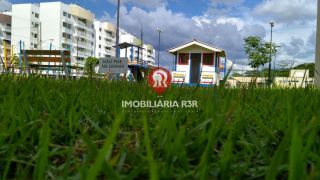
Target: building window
<point>66,25</point>
<point>99,37</point>
<point>65,14</point>
<point>208,59</point>
<point>100,46</point>
<point>35,46</point>
<point>69,15</point>
<point>67,36</point>
<point>66,46</point>
<point>36,15</point>
<point>100,29</point>
<point>183,59</point>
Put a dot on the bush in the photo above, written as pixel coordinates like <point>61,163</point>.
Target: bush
<point>89,66</point>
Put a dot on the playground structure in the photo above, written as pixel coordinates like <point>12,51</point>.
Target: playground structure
<point>41,62</point>
<point>197,63</point>
<point>47,62</point>
<point>58,63</point>
<point>137,68</point>
<point>7,57</point>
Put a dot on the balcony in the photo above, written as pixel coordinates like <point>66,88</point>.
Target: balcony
<point>66,30</point>
<point>83,45</point>
<point>83,25</point>
<point>5,37</point>
<point>6,29</point>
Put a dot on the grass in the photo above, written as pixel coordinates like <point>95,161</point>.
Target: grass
<point>64,129</point>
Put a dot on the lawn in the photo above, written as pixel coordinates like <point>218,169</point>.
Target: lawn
<point>77,129</point>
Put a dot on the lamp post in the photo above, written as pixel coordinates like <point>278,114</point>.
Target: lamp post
<point>159,30</point>
<point>269,78</point>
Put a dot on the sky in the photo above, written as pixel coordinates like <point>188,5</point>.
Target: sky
<point>222,23</point>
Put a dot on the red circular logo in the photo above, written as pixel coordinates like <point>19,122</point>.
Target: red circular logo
<point>159,79</point>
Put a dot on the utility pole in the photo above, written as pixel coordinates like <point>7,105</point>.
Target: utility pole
<point>117,33</point>
<point>141,45</point>
<point>317,69</point>
<point>269,79</point>
<point>20,57</point>
<point>159,30</point>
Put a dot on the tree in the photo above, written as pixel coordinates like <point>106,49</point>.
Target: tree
<point>90,65</point>
<point>258,52</point>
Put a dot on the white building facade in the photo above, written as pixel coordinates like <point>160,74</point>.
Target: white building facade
<point>84,35</point>
<point>149,54</point>
<point>105,39</point>
<point>134,52</point>
<point>25,26</point>
<point>59,26</point>
<point>56,26</point>
<point>5,35</point>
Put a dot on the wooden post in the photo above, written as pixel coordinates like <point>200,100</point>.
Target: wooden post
<point>5,55</point>
<point>25,56</point>
<point>64,65</point>
<point>317,68</point>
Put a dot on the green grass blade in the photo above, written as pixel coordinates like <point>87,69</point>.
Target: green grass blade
<point>97,166</point>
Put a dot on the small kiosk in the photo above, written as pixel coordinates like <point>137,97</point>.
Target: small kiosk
<point>197,63</point>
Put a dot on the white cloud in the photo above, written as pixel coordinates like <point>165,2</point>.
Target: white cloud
<point>231,20</point>
<point>226,2</point>
<point>287,11</point>
<point>225,30</point>
<point>227,33</point>
<point>312,39</point>
<point>106,17</point>
<point>300,50</point>
<point>5,5</point>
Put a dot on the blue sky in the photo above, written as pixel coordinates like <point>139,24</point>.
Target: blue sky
<point>223,23</point>
<point>188,7</point>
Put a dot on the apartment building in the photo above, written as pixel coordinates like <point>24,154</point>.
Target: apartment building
<point>25,26</point>
<point>149,54</point>
<point>56,26</point>
<point>83,33</point>
<point>5,35</point>
<point>146,54</point>
<point>105,39</point>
